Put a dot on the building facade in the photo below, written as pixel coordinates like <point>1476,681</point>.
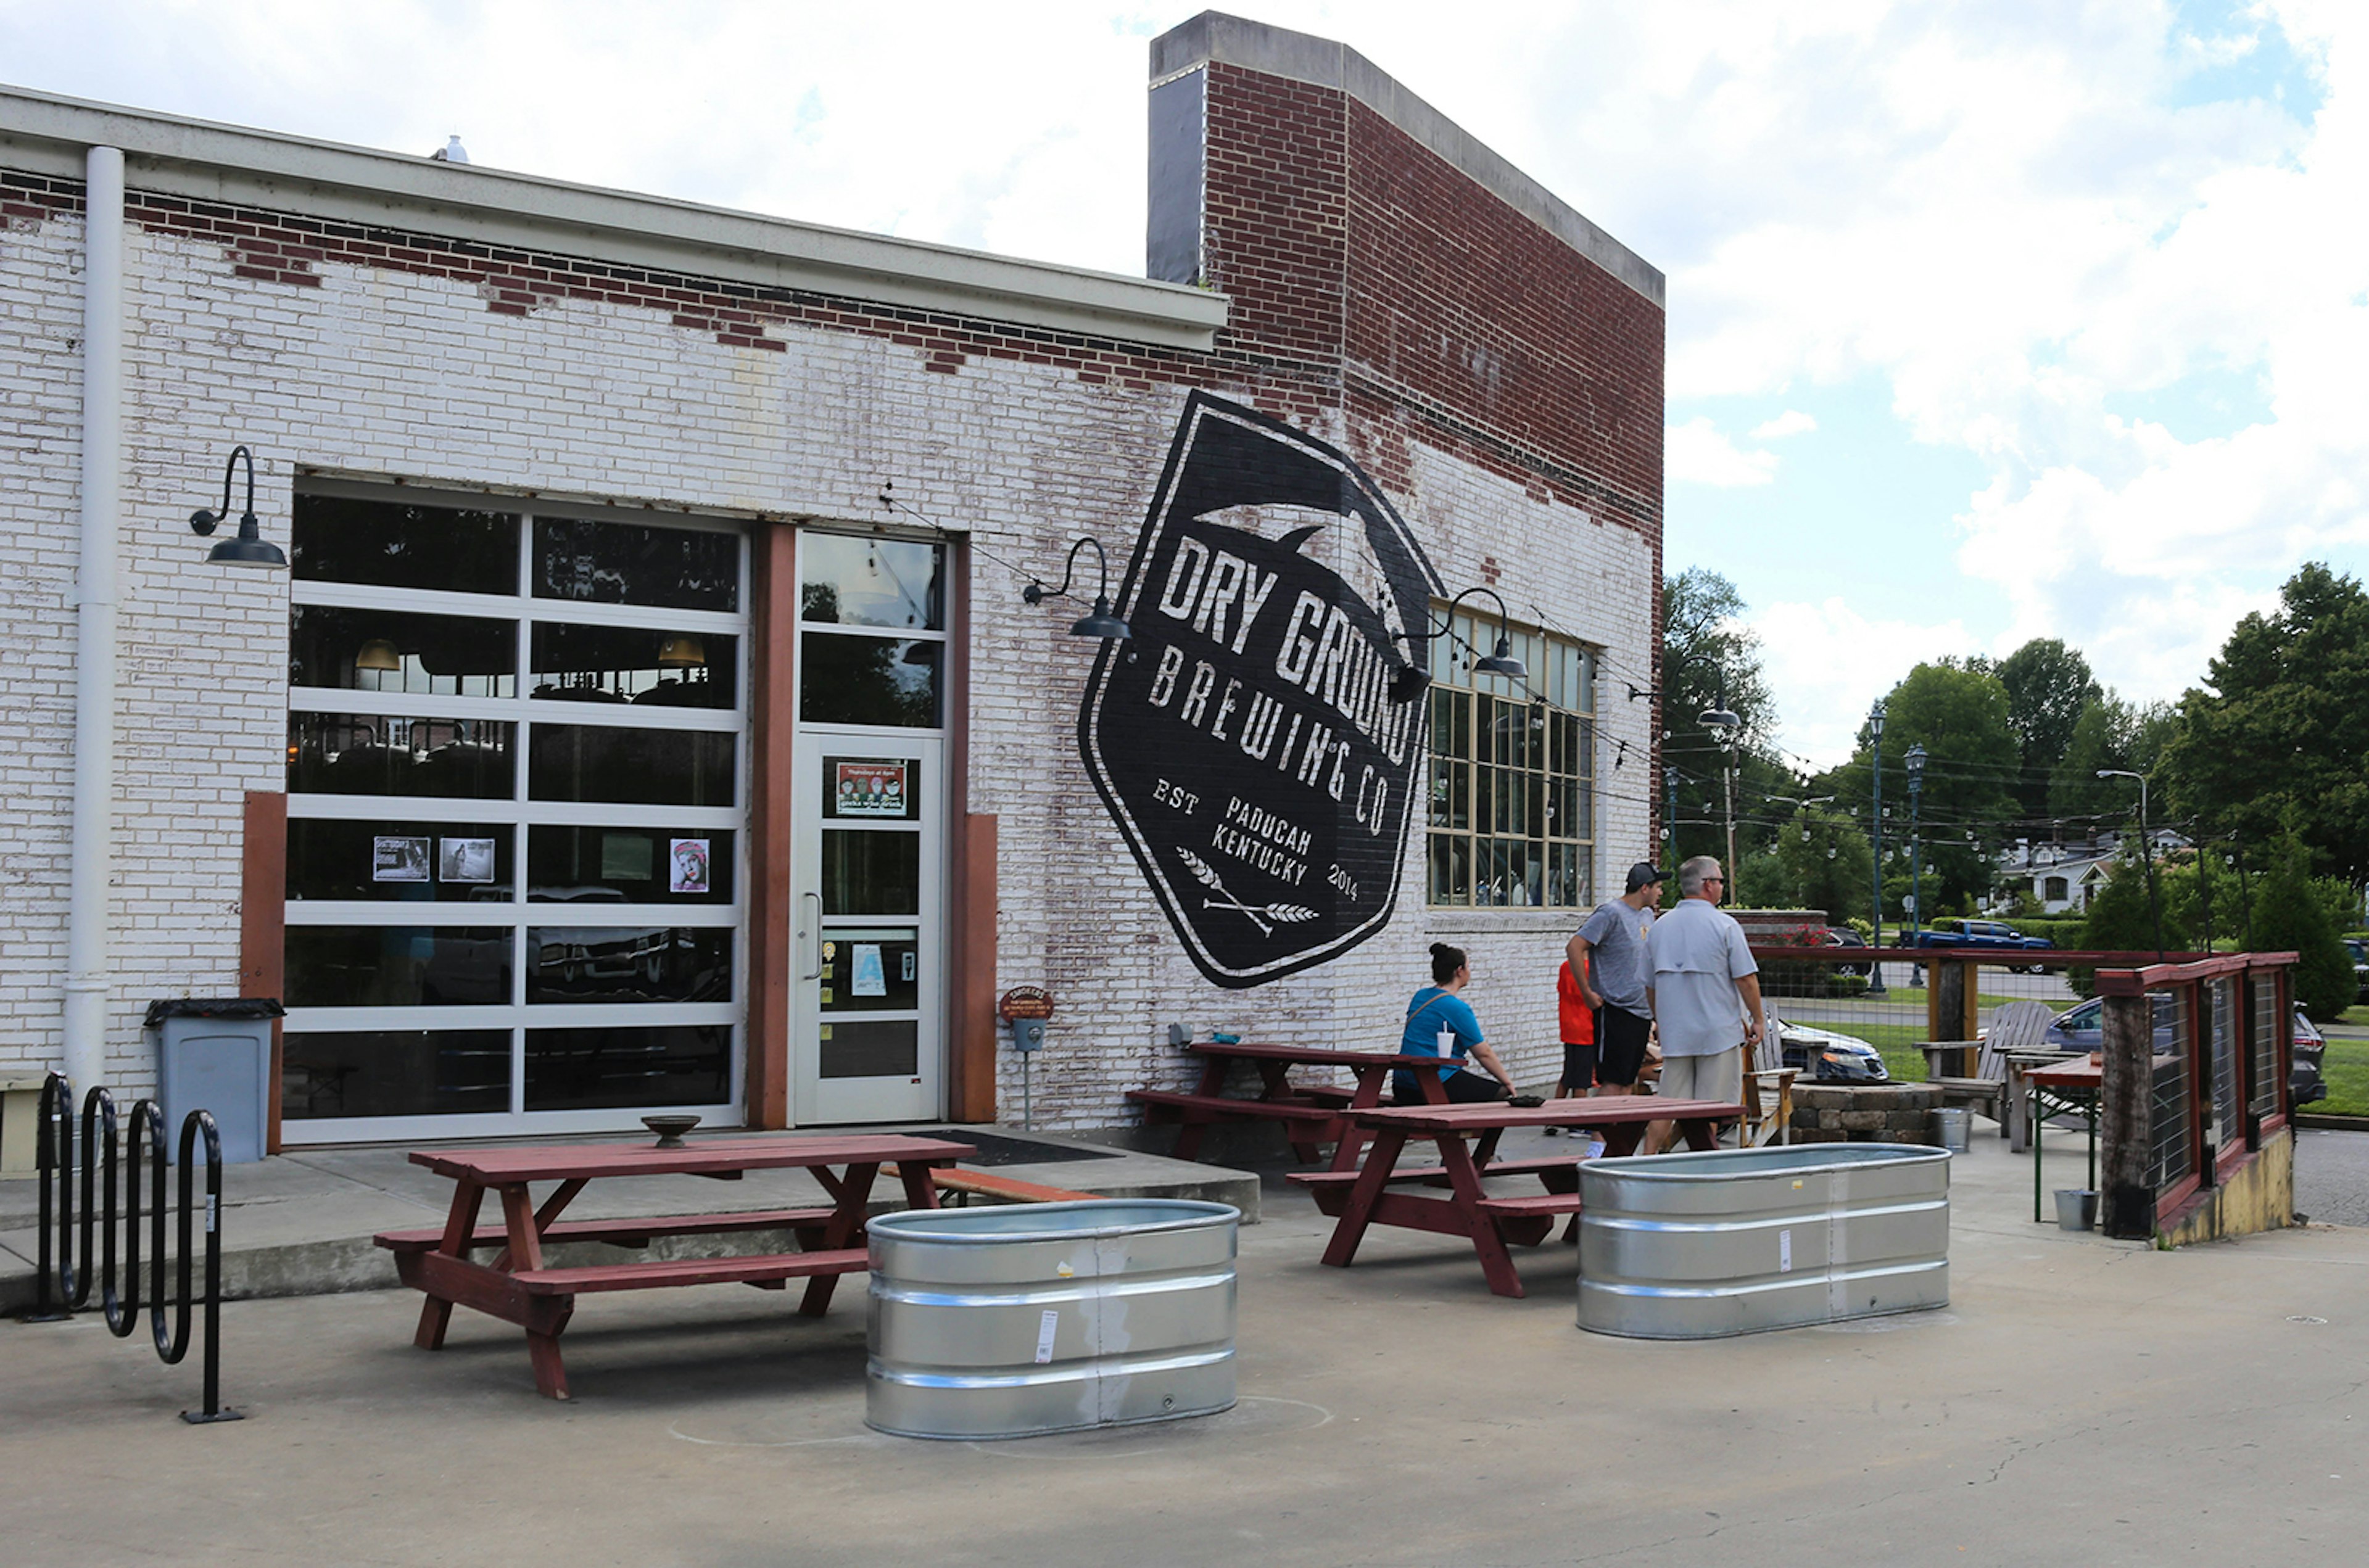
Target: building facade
<point>650,716</point>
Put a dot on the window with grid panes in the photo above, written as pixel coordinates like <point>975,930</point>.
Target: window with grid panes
<point>1513,772</point>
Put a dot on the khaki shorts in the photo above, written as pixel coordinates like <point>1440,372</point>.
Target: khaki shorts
<point>1716,1077</point>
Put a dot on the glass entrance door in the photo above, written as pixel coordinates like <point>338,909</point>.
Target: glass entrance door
<point>868,1039</point>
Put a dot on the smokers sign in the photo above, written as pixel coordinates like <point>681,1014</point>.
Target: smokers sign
<point>1247,744</point>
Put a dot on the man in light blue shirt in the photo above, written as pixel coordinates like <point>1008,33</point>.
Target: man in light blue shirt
<point>1705,991</point>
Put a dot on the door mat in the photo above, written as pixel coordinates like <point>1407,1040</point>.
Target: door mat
<point>994,1149</point>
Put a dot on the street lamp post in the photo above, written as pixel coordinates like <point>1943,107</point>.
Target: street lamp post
<point>1876,729</point>
<point>1916,762</point>
<point>1721,721</point>
<point>2146,850</point>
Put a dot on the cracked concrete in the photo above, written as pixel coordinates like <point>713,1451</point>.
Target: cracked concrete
<point>2078,1402</point>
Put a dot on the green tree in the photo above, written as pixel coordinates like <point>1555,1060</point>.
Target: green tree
<point>2279,735</point>
<point>2049,686</point>
<point>2122,917</point>
<point>1708,657</point>
<point>1815,860</point>
<point>1960,716</point>
<point>2291,914</point>
<point>2110,733</point>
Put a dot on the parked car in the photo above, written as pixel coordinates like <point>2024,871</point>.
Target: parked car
<point>1827,1055</point>
<point>2359,951</point>
<point>2078,1029</point>
<point>1838,937</point>
<point>2306,1082</point>
<point>1994,934</point>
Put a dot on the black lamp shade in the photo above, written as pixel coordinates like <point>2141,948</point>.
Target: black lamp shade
<point>1102,623</point>
<point>1407,683</point>
<point>249,549</point>
<point>1503,662</point>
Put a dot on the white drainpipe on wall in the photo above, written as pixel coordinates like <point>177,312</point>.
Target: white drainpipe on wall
<point>102,467</point>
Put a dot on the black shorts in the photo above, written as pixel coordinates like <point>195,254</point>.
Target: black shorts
<point>1619,1044</point>
<point>1578,1067</point>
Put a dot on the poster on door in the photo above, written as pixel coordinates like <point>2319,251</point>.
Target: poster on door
<point>1248,741</point>
<point>870,788</point>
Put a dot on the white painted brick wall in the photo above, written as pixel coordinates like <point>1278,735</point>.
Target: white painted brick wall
<point>387,373</point>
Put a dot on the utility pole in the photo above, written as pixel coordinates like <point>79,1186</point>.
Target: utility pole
<point>1727,746</point>
<point>1670,818</point>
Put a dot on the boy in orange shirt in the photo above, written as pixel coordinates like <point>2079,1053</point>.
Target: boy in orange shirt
<point>1578,1042</point>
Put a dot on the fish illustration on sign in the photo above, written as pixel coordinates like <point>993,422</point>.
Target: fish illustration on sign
<point>1245,741</point>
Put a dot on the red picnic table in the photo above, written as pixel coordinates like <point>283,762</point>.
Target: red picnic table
<point>518,1287</point>
<point>1467,1138</point>
<point>1311,1114</point>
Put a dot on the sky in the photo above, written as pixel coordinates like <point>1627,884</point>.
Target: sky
<point>1987,321</point>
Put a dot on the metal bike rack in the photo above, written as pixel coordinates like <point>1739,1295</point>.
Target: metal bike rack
<point>63,1289</point>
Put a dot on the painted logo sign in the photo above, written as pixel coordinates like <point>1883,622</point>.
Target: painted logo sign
<point>1245,741</point>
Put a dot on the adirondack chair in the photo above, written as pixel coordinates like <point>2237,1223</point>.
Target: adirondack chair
<point>1992,1087</point>
<point>1767,1092</point>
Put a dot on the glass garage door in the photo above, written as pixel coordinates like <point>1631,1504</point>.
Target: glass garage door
<point>517,814</point>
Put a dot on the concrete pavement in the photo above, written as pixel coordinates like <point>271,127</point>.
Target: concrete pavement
<point>2079,1401</point>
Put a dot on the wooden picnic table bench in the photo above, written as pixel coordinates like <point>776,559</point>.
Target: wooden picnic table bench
<point>1311,1114</point>
<point>518,1287</point>
<point>1467,1139</point>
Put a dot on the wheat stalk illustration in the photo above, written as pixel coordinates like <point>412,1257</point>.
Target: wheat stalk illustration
<point>1257,914</point>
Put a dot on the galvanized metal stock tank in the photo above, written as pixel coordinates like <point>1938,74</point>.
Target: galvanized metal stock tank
<point>1051,1317</point>
<point>1733,1240</point>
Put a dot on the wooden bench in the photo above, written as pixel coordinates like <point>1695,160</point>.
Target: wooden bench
<point>767,1271</point>
<point>1309,1114</point>
<point>985,1183</point>
<point>636,1232</point>
<point>1559,1173</point>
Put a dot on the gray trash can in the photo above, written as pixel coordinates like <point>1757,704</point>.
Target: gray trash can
<point>215,1054</point>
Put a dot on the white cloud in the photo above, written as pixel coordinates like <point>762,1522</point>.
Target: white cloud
<point>1698,453</point>
<point>2026,220</point>
<point>1792,422</point>
<point>1826,662</point>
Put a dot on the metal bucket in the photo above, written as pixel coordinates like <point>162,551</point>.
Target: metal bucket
<point>1955,1124</point>
<point>1051,1317</point>
<point>2076,1208</point>
<point>1733,1241</point>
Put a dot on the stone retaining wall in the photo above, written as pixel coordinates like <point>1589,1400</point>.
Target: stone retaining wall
<point>1865,1113</point>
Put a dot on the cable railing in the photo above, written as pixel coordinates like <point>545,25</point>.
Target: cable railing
<point>109,1221</point>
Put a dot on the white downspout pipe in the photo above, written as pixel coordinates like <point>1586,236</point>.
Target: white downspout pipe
<point>102,467</point>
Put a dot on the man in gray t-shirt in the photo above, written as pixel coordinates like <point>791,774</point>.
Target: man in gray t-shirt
<point>1609,958</point>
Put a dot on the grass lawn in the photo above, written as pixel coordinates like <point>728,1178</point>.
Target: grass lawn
<point>2346,1068</point>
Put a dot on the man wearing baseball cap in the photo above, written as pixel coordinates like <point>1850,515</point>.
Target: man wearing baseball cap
<point>1609,955</point>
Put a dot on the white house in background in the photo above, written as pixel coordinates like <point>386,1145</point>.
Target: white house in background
<point>2065,877</point>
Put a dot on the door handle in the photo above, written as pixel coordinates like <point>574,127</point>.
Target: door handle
<point>814,931</point>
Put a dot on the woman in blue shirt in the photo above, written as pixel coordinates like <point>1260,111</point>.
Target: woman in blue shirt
<point>1440,1023</point>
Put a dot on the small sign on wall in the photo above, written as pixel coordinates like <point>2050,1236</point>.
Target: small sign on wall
<point>687,866</point>
<point>396,859</point>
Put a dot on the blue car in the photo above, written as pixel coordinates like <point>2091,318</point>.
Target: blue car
<point>2078,1029</point>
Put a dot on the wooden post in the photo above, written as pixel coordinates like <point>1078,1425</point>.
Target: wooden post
<point>1946,995</point>
<point>262,914</point>
<point>2126,1128</point>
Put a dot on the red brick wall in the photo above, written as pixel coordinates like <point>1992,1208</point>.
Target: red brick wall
<point>1426,304</point>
